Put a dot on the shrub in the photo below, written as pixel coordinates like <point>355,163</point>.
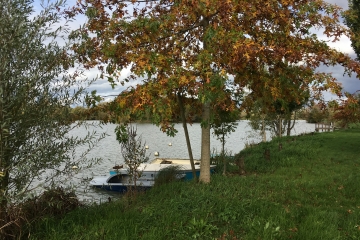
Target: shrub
<point>53,202</point>
<point>169,174</point>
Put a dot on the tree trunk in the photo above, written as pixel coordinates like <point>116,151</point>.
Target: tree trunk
<point>291,126</point>
<point>280,127</point>
<point>205,145</point>
<point>223,144</point>
<point>288,129</point>
<point>223,154</point>
<point>188,144</point>
<point>205,129</point>
<point>263,130</point>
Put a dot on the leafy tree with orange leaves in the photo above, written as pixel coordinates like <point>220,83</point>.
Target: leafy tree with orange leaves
<point>348,111</point>
<point>198,46</point>
<point>275,115</point>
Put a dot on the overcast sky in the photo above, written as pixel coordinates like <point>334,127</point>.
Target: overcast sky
<point>350,84</point>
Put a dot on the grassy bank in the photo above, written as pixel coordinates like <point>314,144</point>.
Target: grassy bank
<point>308,189</point>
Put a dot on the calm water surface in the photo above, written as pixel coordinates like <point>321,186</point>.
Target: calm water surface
<point>157,141</point>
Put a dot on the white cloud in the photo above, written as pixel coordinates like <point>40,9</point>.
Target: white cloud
<point>349,83</point>
<point>341,3</point>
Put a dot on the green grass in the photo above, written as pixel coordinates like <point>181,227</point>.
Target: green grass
<point>307,190</point>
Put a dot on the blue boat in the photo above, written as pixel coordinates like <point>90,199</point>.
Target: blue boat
<point>119,179</point>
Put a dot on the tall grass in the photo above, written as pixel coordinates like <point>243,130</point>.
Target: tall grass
<point>308,189</point>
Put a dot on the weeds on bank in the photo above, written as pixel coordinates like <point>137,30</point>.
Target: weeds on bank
<point>53,202</point>
<point>307,189</point>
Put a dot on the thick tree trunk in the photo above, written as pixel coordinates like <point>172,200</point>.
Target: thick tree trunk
<point>205,129</point>
<point>188,144</point>
<point>205,145</point>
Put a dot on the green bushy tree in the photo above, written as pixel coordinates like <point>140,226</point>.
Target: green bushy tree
<point>352,20</point>
<point>36,90</point>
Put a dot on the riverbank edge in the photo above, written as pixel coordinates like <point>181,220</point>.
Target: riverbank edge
<point>308,188</point>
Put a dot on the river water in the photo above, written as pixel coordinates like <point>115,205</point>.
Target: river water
<point>168,147</point>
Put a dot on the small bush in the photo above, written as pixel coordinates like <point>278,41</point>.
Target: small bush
<point>354,126</point>
<point>168,174</point>
<point>224,164</point>
<point>53,202</point>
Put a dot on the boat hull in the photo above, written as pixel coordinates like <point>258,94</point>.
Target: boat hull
<point>120,181</point>
<point>120,188</point>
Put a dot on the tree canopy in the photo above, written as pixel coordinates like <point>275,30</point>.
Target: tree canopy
<point>348,110</point>
<point>198,46</point>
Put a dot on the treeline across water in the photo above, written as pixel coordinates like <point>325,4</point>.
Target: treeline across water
<point>106,111</point>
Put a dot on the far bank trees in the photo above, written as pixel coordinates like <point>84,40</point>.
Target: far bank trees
<point>197,46</point>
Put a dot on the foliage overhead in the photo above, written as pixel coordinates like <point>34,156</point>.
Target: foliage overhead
<point>194,46</point>
<point>348,111</point>
<point>163,42</point>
